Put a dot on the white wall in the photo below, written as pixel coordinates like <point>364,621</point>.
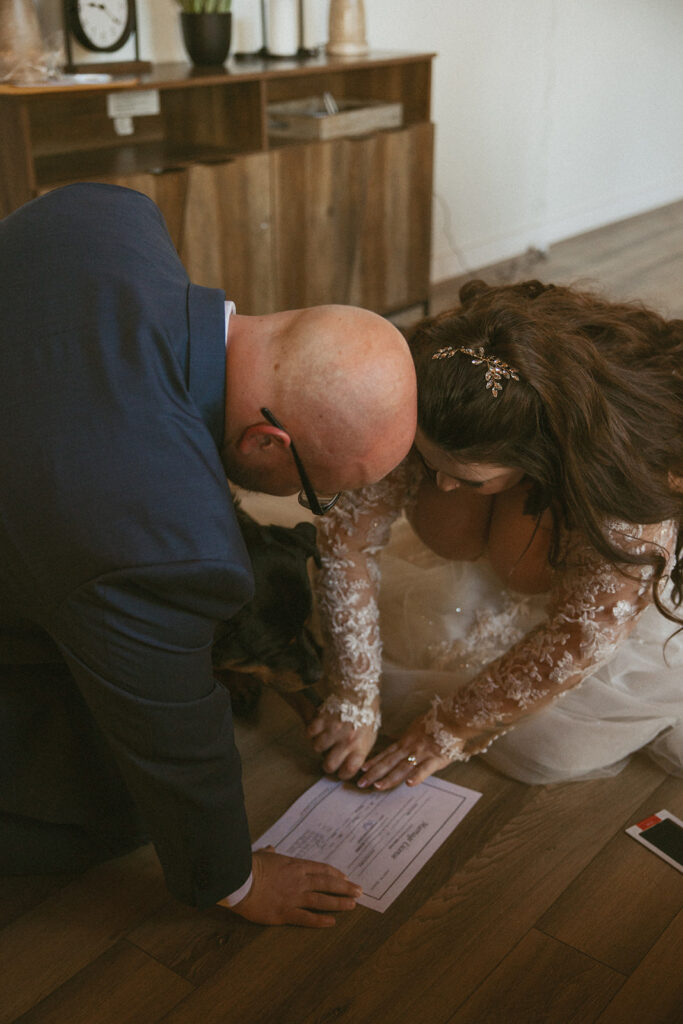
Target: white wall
<point>553,116</point>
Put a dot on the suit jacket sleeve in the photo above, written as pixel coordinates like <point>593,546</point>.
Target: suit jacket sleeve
<point>138,643</point>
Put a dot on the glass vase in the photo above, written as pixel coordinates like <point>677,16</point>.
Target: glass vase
<point>22,54</point>
<point>347,29</point>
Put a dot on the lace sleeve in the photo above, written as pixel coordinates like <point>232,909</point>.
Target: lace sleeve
<point>593,608</point>
<point>350,539</point>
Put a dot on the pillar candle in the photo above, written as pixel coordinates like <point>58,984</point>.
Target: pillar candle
<point>283,27</point>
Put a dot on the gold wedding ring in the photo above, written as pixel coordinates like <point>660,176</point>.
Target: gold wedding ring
<point>411,759</point>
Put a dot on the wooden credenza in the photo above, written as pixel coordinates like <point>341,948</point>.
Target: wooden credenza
<point>277,224</point>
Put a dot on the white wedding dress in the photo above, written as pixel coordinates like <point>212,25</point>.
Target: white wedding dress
<point>561,686</point>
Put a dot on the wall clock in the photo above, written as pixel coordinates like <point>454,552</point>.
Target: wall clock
<point>101,26</point>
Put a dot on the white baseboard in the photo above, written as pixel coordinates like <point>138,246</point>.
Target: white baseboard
<point>446,263</point>
<point>611,209</point>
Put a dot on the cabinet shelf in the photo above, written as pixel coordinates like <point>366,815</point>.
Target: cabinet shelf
<point>117,161</point>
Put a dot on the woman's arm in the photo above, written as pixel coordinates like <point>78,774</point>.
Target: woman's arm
<point>350,540</point>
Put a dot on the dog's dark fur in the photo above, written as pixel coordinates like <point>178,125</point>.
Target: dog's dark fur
<point>268,641</point>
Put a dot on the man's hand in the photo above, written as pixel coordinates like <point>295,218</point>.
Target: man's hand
<point>346,746</point>
<point>288,890</point>
<point>411,759</point>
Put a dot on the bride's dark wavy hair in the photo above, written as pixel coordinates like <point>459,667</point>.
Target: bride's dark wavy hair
<point>595,420</point>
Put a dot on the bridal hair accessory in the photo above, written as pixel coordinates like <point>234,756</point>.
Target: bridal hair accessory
<point>496,369</point>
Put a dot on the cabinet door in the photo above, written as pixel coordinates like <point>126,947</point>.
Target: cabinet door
<point>226,239</point>
<point>352,220</point>
<point>17,176</point>
<point>392,186</point>
<point>314,231</point>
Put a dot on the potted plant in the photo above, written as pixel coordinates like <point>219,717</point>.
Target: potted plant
<point>206,26</point>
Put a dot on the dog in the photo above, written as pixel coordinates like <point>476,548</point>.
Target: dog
<point>269,641</point>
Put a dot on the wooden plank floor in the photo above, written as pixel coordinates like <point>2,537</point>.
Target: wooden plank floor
<point>537,909</point>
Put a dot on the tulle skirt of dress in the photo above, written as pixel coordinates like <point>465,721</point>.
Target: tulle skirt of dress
<point>443,621</point>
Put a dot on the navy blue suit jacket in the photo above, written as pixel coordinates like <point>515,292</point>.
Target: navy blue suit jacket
<point>117,531</point>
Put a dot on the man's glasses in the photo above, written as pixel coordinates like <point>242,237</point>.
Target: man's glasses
<point>307,497</point>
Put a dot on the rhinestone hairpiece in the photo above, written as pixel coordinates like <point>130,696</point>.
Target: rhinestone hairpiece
<point>496,369</point>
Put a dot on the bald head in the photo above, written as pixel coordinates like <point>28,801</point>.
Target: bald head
<point>347,385</point>
<point>341,381</point>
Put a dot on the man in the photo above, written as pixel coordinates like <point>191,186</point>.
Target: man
<point>121,414</point>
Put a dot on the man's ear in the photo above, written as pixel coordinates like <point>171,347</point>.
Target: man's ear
<point>262,435</point>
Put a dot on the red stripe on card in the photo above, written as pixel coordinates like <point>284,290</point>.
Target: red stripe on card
<point>649,822</point>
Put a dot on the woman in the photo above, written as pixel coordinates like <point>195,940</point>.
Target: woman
<point>541,550</point>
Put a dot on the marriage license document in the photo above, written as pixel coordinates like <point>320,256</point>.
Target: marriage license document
<point>380,840</point>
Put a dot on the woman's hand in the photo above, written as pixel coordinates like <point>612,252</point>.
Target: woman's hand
<point>411,759</point>
<point>346,746</point>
